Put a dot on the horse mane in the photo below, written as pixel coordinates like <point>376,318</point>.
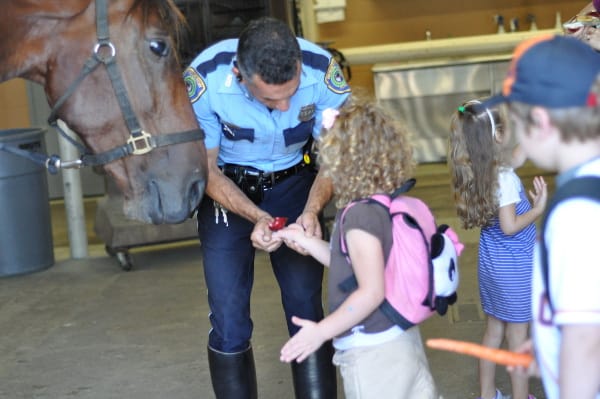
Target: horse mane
<point>170,16</point>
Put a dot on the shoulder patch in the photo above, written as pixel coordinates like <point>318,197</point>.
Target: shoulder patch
<point>334,78</point>
<point>194,84</point>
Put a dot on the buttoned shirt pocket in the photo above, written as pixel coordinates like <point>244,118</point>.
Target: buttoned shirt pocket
<point>299,133</point>
<point>235,133</point>
<point>238,142</point>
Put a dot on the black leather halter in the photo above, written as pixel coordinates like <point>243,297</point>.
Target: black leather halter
<point>139,141</point>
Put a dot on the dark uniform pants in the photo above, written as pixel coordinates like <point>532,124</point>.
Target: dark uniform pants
<point>228,257</point>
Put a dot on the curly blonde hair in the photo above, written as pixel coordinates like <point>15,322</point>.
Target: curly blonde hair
<point>473,159</point>
<point>365,151</point>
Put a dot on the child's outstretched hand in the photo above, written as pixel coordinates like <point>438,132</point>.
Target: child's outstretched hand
<point>293,236</point>
<point>539,195</point>
<point>305,342</point>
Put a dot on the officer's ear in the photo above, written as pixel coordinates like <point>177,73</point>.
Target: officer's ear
<point>236,72</point>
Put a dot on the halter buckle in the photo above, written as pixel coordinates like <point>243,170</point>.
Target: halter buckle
<point>140,144</point>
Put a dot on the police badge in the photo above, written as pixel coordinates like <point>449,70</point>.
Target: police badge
<point>307,113</point>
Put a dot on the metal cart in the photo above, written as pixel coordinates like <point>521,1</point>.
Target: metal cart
<point>121,234</point>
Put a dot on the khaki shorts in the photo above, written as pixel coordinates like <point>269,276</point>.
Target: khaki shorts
<point>395,369</point>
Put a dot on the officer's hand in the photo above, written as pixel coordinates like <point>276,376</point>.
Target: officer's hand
<point>310,222</point>
<point>262,237</point>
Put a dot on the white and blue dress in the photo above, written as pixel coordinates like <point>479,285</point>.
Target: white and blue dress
<point>506,261</point>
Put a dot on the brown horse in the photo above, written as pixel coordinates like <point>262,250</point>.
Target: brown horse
<point>110,71</point>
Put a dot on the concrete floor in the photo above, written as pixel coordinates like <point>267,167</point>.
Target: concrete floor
<point>87,329</point>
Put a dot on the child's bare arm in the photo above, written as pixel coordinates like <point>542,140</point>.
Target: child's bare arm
<point>366,255</point>
<point>294,237</point>
<point>368,265</point>
<point>511,223</point>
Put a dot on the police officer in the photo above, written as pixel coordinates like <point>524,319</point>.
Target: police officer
<point>259,99</point>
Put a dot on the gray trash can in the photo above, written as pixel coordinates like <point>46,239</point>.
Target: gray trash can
<point>25,226</point>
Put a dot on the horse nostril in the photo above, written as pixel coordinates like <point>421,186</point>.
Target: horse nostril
<point>156,202</point>
<point>196,192</point>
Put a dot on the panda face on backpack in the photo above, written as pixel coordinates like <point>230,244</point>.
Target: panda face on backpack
<point>445,249</point>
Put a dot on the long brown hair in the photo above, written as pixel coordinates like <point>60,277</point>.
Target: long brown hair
<point>473,159</point>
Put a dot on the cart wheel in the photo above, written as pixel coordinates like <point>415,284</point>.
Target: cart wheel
<point>124,260</point>
<point>110,250</point>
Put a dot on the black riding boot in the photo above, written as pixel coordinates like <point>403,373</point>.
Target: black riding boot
<point>233,375</point>
<point>315,377</point>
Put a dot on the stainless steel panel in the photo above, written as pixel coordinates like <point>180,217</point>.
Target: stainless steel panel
<point>432,81</point>
<point>425,98</point>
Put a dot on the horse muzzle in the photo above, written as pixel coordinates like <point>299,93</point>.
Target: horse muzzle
<point>161,203</point>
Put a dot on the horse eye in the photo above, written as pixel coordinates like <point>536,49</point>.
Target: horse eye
<point>159,47</point>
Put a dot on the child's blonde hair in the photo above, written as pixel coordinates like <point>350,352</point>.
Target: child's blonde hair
<point>365,151</point>
<point>473,159</point>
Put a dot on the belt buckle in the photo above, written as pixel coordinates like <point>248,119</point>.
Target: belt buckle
<point>254,177</point>
<point>252,172</point>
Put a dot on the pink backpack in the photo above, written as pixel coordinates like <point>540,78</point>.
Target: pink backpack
<point>421,274</point>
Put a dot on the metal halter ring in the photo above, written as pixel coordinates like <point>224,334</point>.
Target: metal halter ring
<point>113,51</point>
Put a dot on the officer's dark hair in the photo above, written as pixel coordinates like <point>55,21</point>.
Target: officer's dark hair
<point>268,48</point>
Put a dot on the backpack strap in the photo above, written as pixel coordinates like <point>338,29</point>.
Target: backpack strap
<point>405,187</point>
<point>581,187</point>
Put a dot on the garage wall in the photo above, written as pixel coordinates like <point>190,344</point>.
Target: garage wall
<point>373,22</point>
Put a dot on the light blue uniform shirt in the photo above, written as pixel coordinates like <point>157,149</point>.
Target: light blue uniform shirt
<point>246,131</point>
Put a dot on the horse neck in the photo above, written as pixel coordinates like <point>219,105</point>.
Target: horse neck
<point>25,45</point>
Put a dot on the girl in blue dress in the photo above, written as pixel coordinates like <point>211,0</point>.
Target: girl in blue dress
<point>489,195</point>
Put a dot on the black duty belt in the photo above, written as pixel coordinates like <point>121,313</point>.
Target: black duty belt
<point>254,181</point>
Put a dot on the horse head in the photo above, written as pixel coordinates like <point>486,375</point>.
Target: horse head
<point>161,183</point>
